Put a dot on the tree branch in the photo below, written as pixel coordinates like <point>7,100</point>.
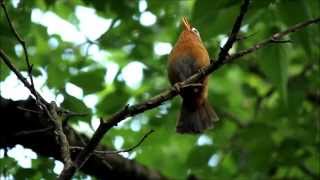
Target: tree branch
<point>7,61</point>
<point>128,111</point>
<point>120,151</point>
<point>20,126</point>
<point>153,102</point>
<point>234,32</point>
<point>51,109</point>
<point>273,38</point>
<point>23,44</point>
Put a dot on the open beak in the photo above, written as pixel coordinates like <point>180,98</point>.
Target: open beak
<point>186,24</point>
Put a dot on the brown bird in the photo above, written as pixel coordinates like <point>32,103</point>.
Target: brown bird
<point>186,58</point>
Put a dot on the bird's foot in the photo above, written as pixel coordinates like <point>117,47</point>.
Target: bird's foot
<point>177,87</point>
<point>201,71</point>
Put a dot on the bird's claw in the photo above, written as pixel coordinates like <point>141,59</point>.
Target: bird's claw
<point>201,71</point>
<point>177,87</point>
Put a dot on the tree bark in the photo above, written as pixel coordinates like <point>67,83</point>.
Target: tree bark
<point>22,123</point>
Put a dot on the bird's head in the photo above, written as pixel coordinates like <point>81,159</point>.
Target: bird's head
<point>187,27</point>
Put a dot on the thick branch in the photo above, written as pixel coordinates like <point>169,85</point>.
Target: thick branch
<point>51,109</point>
<point>52,113</point>
<point>33,130</point>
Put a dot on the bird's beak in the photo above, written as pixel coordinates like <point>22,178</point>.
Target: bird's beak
<point>186,25</point>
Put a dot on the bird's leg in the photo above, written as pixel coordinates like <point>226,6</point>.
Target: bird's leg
<point>201,71</point>
<point>177,87</point>
<point>194,85</point>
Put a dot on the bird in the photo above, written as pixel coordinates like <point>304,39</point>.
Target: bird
<point>187,57</point>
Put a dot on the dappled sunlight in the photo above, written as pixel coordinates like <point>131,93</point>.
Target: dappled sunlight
<point>87,19</point>
<point>12,88</point>
<point>82,127</point>
<point>214,160</point>
<point>74,90</point>
<point>147,18</point>
<point>67,31</point>
<point>162,48</point>
<point>204,140</point>
<point>57,25</point>
<point>58,167</point>
<point>132,74</point>
<point>22,155</point>
<point>118,142</point>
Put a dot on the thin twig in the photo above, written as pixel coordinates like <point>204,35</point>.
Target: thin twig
<point>50,109</point>
<point>23,44</point>
<point>281,41</point>
<point>234,32</point>
<point>119,151</point>
<point>113,23</point>
<point>270,40</point>
<point>244,37</point>
<point>169,94</point>
<point>29,110</point>
<point>24,133</point>
<point>7,61</point>
<point>52,113</point>
<point>153,102</point>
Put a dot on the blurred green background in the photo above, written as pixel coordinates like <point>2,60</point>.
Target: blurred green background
<point>268,101</point>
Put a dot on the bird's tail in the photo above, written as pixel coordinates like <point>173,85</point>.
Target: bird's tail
<point>196,118</point>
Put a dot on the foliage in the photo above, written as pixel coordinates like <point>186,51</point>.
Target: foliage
<point>269,126</point>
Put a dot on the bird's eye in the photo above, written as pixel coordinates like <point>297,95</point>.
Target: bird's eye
<point>195,31</point>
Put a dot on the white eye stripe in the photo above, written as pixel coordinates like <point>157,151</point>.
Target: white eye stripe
<point>195,31</point>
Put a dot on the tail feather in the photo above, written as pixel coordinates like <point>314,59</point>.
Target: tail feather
<point>196,119</point>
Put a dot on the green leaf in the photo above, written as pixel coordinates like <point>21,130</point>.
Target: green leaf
<point>9,164</point>
<point>57,75</point>
<point>90,81</point>
<point>288,152</point>
<point>199,156</point>
<point>76,105</point>
<point>286,9</point>
<point>4,72</point>
<point>216,18</point>
<point>257,145</point>
<point>296,95</point>
<point>25,173</point>
<point>275,65</point>
<point>114,101</point>
<point>44,166</point>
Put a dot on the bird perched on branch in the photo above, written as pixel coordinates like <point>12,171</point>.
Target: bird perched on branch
<point>187,58</point>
